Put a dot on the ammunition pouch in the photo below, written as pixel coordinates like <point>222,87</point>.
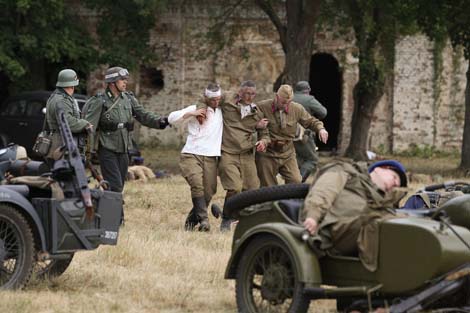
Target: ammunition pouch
<point>112,126</point>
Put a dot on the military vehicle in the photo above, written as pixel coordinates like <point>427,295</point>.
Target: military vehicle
<point>424,259</point>
<point>46,215</point>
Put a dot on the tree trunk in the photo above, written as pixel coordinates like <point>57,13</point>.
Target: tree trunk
<point>465,160</point>
<point>371,85</point>
<point>296,36</point>
<point>365,102</point>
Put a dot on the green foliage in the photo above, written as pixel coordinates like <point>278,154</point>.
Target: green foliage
<point>45,32</point>
<point>428,152</point>
<point>123,29</point>
<point>40,37</point>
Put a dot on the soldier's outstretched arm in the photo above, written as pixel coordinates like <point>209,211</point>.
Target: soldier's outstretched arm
<point>147,118</point>
<point>76,124</point>
<point>319,111</point>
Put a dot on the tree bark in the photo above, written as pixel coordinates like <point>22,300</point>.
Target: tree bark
<point>296,36</point>
<point>371,85</point>
<point>465,159</point>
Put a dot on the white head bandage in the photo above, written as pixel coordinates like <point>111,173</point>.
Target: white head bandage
<point>213,94</point>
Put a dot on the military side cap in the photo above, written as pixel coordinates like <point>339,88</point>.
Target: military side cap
<point>302,86</point>
<point>285,92</point>
<point>395,166</point>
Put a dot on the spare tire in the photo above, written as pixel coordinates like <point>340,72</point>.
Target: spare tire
<point>238,202</point>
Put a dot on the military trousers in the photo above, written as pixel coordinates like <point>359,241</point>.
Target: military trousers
<point>201,174</point>
<point>238,171</point>
<point>268,167</point>
<point>114,167</point>
<point>307,156</point>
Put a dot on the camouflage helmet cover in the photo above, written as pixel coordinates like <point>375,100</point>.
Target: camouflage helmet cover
<point>115,73</point>
<point>67,78</point>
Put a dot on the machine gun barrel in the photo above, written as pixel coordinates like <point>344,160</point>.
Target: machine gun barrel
<point>74,160</point>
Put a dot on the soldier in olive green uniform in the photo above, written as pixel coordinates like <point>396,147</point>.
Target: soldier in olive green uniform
<point>348,201</point>
<point>237,167</point>
<point>305,149</point>
<point>63,97</point>
<point>113,114</point>
<point>283,115</point>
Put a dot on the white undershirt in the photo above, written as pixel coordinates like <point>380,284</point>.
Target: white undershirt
<point>205,139</point>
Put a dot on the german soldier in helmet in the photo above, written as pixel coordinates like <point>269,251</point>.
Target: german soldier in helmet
<point>63,97</point>
<point>113,113</point>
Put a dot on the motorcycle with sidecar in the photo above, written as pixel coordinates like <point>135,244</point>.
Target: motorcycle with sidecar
<point>47,215</point>
<point>424,258</point>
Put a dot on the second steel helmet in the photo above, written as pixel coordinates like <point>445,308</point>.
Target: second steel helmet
<point>67,78</point>
<point>115,73</point>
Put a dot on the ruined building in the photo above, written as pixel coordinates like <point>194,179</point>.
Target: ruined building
<point>423,104</point>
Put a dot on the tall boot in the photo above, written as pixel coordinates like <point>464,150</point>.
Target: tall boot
<point>191,220</point>
<point>200,209</point>
<point>226,220</point>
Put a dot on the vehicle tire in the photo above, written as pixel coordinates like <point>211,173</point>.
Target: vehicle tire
<point>16,249</point>
<point>267,279</point>
<point>3,141</point>
<point>52,268</point>
<point>273,193</point>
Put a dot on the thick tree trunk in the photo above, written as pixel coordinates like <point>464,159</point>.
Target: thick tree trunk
<point>296,36</point>
<point>465,161</point>
<point>365,102</point>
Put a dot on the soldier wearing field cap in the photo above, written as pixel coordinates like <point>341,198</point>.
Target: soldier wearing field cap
<point>347,202</point>
<point>305,148</point>
<point>283,115</point>
<point>62,97</point>
<point>113,113</point>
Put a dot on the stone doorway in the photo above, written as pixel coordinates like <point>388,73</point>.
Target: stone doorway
<point>326,80</point>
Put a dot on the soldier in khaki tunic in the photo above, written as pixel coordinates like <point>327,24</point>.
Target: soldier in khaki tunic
<point>113,113</point>
<point>242,120</point>
<point>347,202</point>
<point>63,97</point>
<point>283,115</point>
<point>198,161</point>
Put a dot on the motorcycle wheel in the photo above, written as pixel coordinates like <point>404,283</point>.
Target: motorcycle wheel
<point>52,268</point>
<point>267,279</point>
<point>16,249</point>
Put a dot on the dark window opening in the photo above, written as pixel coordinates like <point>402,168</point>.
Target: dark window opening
<point>325,81</point>
<point>152,78</point>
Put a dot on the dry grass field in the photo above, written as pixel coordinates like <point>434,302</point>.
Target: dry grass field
<point>156,266</point>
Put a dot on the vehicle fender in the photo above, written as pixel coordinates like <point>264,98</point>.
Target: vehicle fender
<point>25,207</point>
<point>304,257</point>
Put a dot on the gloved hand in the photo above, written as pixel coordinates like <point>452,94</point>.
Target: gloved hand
<point>164,122</point>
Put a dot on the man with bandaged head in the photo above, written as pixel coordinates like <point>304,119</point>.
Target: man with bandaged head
<point>198,162</point>
<point>283,115</point>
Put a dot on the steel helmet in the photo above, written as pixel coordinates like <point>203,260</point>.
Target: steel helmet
<point>115,73</point>
<point>67,78</point>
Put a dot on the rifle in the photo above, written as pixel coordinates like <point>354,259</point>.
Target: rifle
<point>72,163</point>
<point>89,154</point>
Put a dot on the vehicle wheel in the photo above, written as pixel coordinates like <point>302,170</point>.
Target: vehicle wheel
<point>267,279</point>
<point>273,193</point>
<point>3,141</point>
<point>52,268</point>
<point>16,249</point>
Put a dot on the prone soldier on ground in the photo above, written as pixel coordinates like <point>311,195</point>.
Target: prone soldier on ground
<point>305,148</point>
<point>198,162</point>
<point>113,113</point>
<point>244,133</point>
<point>283,115</point>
